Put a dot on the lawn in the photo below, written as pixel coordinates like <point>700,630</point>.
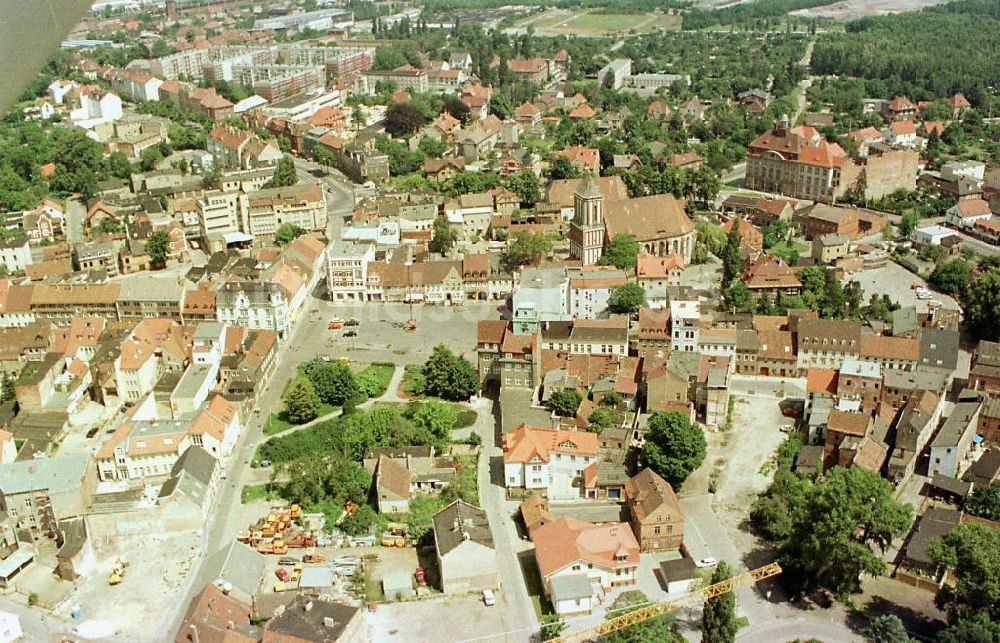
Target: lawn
<point>253,493</point>
<point>786,249</point>
<point>466,417</point>
<point>533,581</point>
<point>413,380</point>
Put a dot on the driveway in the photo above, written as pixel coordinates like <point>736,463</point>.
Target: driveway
<point>76,212</point>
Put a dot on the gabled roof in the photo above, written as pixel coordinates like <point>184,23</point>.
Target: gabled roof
<point>461,522</point>
<point>525,443</point>
<point>648,493</point>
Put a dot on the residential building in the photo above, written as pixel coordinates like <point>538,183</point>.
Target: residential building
<point>655,515</point>
<point>826,343</point>
<point>949,453</point>
<point>685,324</point>
<point>590,289</point>
<point>548,461</point>
<point>828,248</point>
<point>769,276</point>
<point>579,561</point>
<point>466,553</point>
<point>254,305</point>
<point>656,274</point>
<point>38,493</point>
<point>914,428</point>
<point>302,205</point>
<point>347,270</point>
<point>15,255</point>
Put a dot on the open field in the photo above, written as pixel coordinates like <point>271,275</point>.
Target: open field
<point>561,22</point>
<point>853,9</point>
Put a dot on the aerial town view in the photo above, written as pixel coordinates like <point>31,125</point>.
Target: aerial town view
<point>440,321</point>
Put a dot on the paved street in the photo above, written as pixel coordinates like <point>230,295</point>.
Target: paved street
<point>520,621</point>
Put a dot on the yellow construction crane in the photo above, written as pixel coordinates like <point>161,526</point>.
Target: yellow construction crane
<point>594,632</point>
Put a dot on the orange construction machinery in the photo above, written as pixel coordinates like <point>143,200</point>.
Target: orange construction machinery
<point>273,534</point>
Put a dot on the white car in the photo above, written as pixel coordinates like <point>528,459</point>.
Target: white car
<point>488,598</point>
<point>706,562</point>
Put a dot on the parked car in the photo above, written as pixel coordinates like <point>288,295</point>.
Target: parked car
<point>790,412</point>
<point>281,573</point>
<point>351,333</point>
<point>488,598</point>
<point>334,325</point>
<point>420,576</point>
<point>706,562</point>
<point>287,561</point>
<point>352,322</point>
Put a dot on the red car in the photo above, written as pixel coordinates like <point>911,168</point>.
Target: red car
<point>790,412</point>
<point>334,326</point>
<point>281,573</point>
<point>421,577</point>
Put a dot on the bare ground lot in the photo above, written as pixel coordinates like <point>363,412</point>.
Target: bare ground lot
<point>157,568</point>
<point>561,22</point>
<point>852,9</point>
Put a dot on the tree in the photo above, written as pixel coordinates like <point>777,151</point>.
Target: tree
<point>301,402</point>
<point>775,233</point>
<point>674,446</point>
<point>359,522</point>
<point>437,417</point>
<point>449,376</point>
<point>157,246</point>
<point>333,382</point>
<point>972,551</point>
<point>526,186</point>
<point>500,105</point>
<point>286,233</point>
<point>984,501</point>
<point>622,251</point>
<point>887,628</point>
<point>387,58</point>
<point>562,168</point>
<point>982,304</point>
<point>978,628</point>
<point>602,417</point>
<point>732,262</point>
<point>552,627</point>
<point>284,174</point>
<point>457,109</point>
<point>835,527</point>
<point>662,629</point>
<point>403,119</point>
<point>525,247</point>
<point>951,277</point>
<point>909,222</point>
<point>705,183</point>
<point>718,619</point>
<point>443,236</point>
<point>627,298</point>
<point>738,297</point>
<point>564,403</point>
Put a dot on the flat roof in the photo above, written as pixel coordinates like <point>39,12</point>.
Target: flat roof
<point>13,563</point>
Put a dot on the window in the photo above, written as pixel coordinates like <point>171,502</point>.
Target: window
<point>656,530</point>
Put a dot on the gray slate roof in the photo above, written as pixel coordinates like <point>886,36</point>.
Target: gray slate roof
<point>469,519</point>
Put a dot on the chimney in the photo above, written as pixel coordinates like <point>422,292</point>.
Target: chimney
<point>465,535</point>
<point>455,524</point>
<point>329,622</point>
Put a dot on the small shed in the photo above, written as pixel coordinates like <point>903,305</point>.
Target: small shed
<point>398,584</point>
<point>678,574</point>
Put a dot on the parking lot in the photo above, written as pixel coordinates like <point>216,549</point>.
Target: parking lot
<point>452,618</point>
<point>380,334</point>
<point>896,281</point>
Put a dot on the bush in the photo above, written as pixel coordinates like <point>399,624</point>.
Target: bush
<point>465,417</point>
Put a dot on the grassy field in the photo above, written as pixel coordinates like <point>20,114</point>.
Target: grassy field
<point>560,22</point>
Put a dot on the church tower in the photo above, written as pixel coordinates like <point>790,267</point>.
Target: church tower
<point>586,231</point>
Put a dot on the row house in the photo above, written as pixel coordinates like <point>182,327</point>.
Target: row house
<point>148,447</point>
<point>406,77</point>
<point>861,382</point>
<point>655,514</point>
<point>233,148</point>
<point>302,205</point>
<point>254,305</point>
<point>471,214</point>
<point>65,301</point>
<point>154,347</point>
<point>775,354</point>
<point>587,336</point>
<point>485,278</point>
<point>248,363</point>
<point>347,270</point>
<point>656,274</point>
<point>949,452</point>
<point>901,353</point>
<point>984,372</point>
<point>653,339</point>
<point>432,282</point>
<point>506,357</point>
<point>917,423</point>
<point>590,289</point>
<point>827,342</point>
